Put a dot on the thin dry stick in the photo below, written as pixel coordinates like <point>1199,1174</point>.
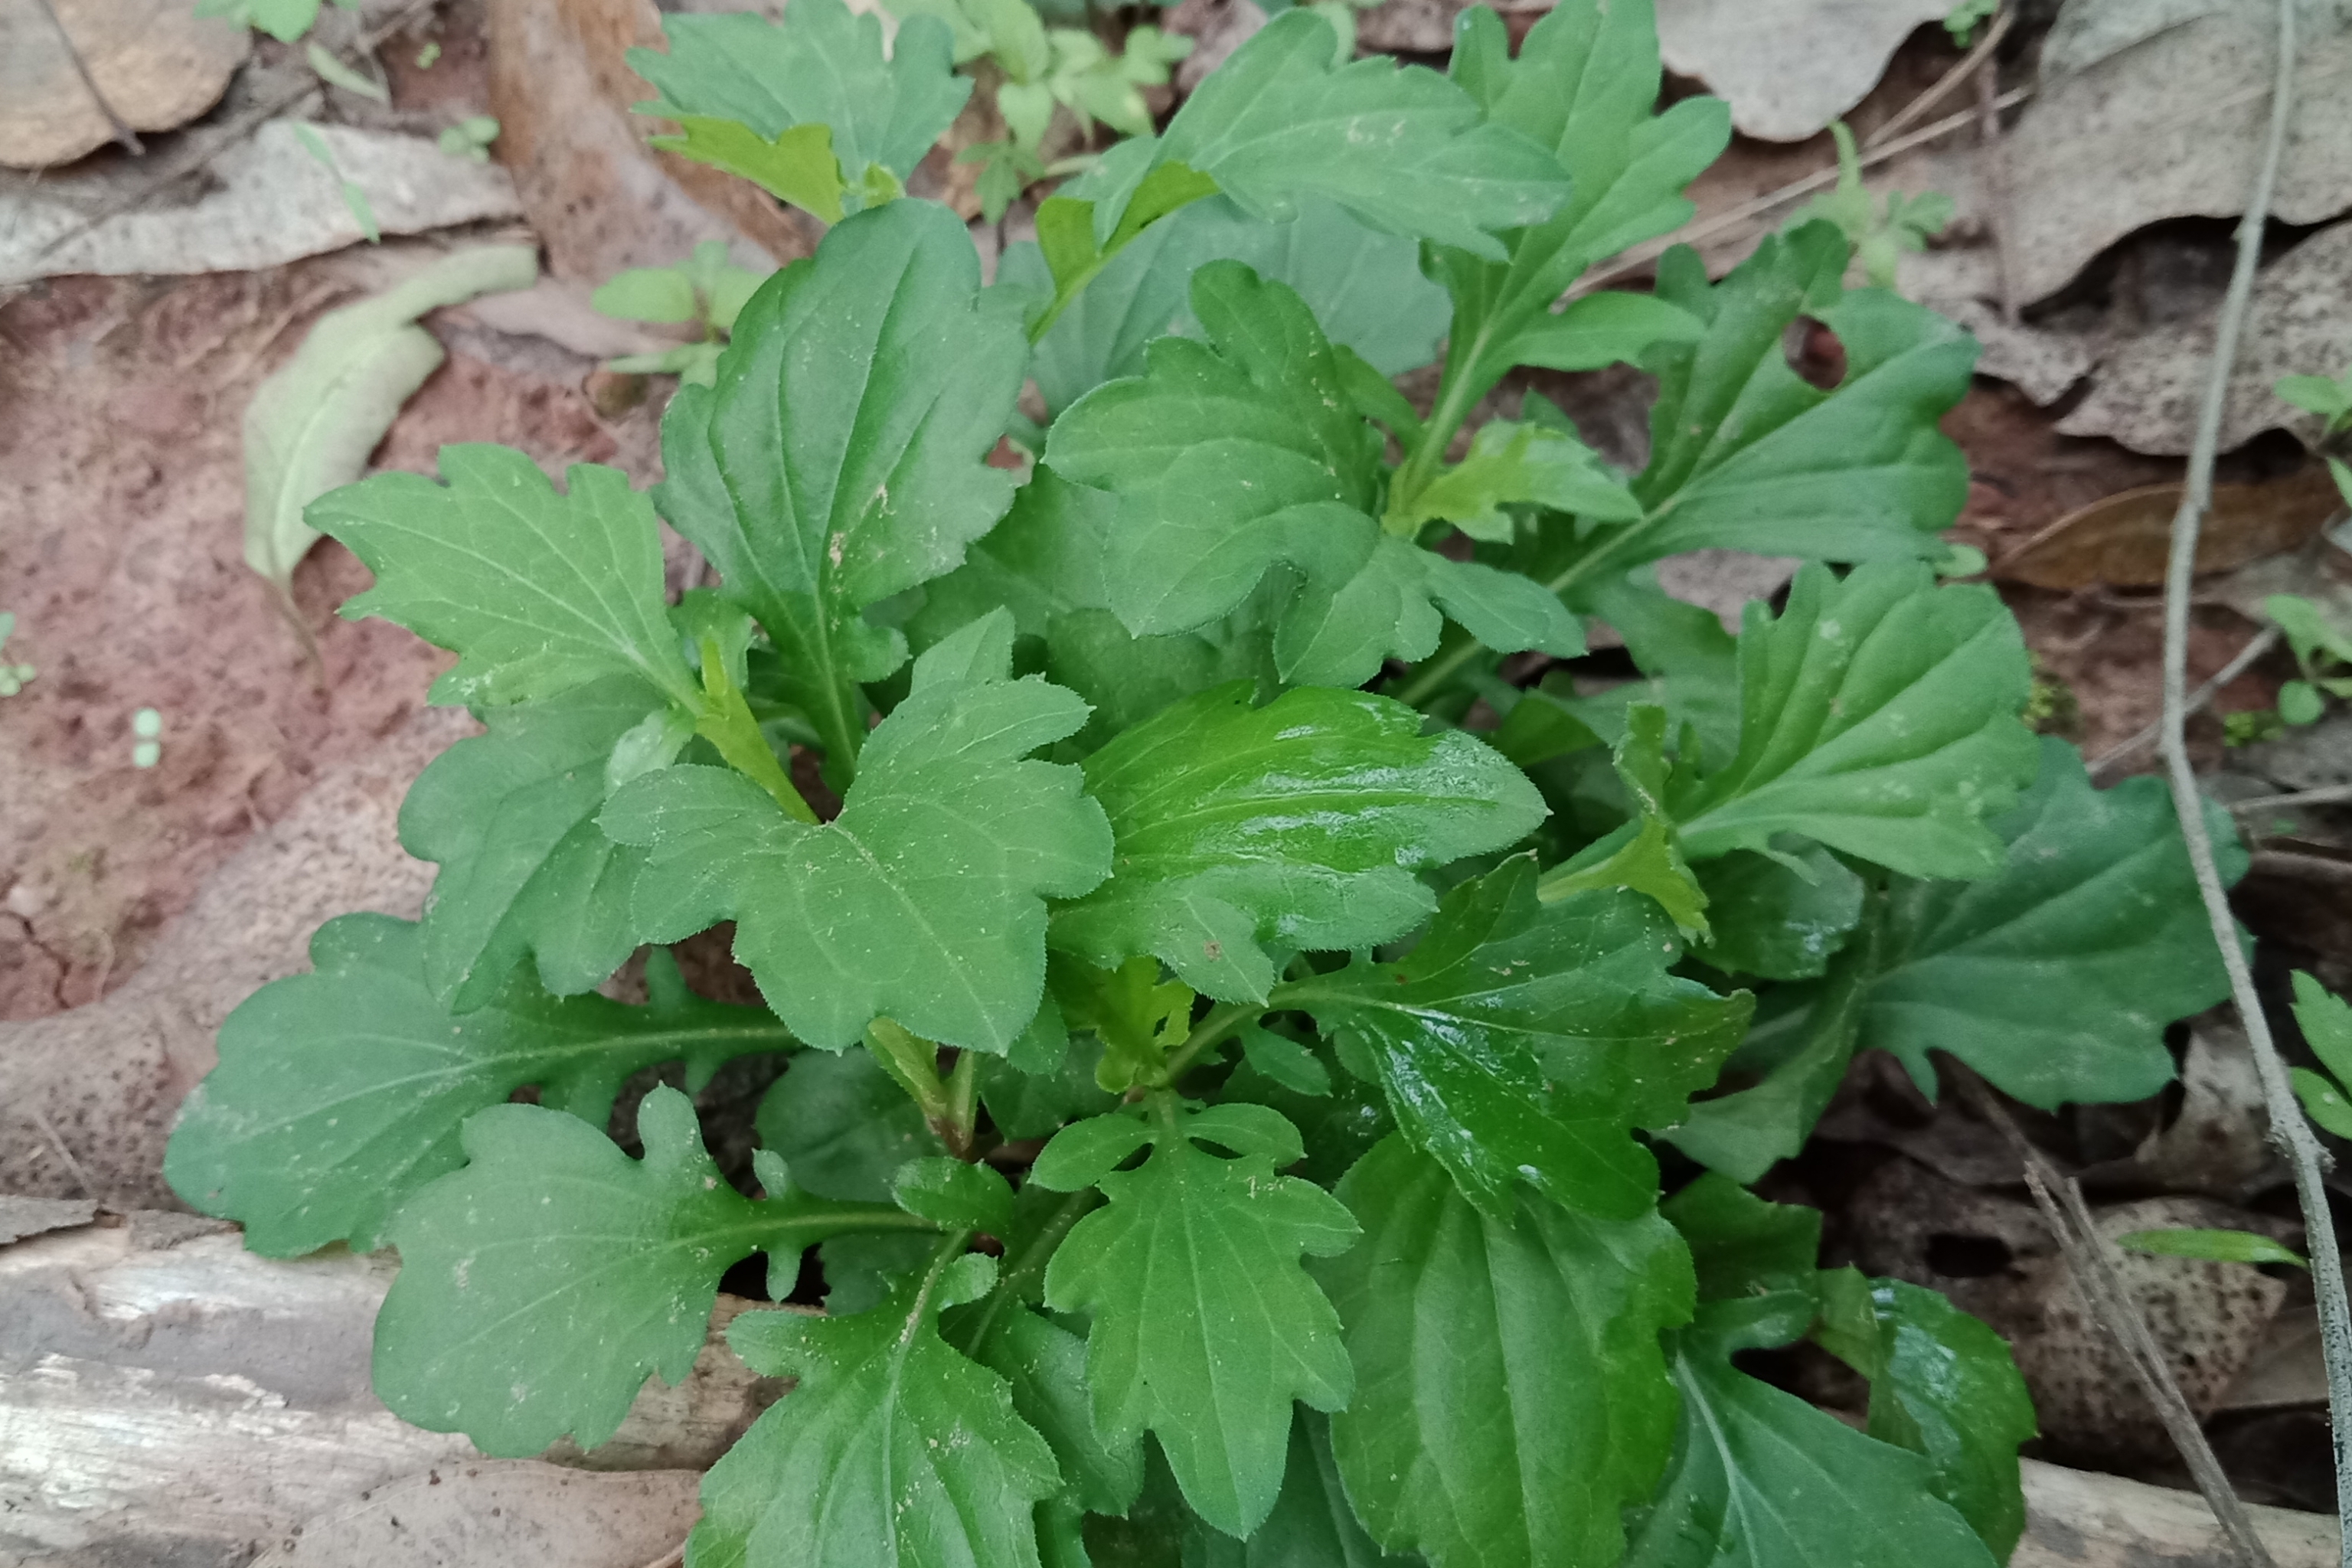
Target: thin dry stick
<point>236,130</point>
<point>2327,794</point>
<point>1912,110</point>
<point>1992,157</point>
<point>2090,1259</point>
<point>1641,255</point>
<point>2289,1132</point>
<point>2122,751</point>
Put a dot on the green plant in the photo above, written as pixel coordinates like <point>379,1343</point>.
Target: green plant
<point>2332,400</point>
<point>1879,237</point>
<point>2323,658</point>
<point>147,738</point>
<point>706,290</point>
<point>1962,21</point>
<point>1179,1031</point>
<point>470,137</point>
<point>285,20</point>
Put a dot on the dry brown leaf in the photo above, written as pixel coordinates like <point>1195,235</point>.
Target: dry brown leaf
<point>601,200</point>
<point>156,61</point>
<point>1787,67</point>
<point>516,1513</point>
<point>2169,128</point>
<point>2121,542</point>
<point>2300,323</point>
<point>266,202</point>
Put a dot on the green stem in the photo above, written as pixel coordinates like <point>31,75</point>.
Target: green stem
<point>1019,1270</point>
<point>912,1063</point>
<point>1223,1019</point>
<point>963,1102</point>
<point>724,719</point>
<point>1430,679</point>
<point>951,1246</point>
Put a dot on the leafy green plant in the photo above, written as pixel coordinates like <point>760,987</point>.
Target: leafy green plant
<point>470,138</point>
<point>285,20</point>
<point>2323,658</point>
<point>1879,237</point>
<point>2327,1026</point>
<point>1248,1105</point>
<point>2332,400</point>
<point>1962,21</point>
<point>706,290</point>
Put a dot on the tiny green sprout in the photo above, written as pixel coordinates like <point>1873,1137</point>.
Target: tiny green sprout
<point>1878,239</point>
<point>362,211</point>
<point>2323,654</point>
<point>706,290</point>
<point>1962,20</point>
<point>2211,1245</point>
<point>2326,1025</point>
<point>335,73</point>
<point>147,725</point>
<point>471,137</point>
<point>428,56</point>
<point>13,676</point>
<point>2332,400</point>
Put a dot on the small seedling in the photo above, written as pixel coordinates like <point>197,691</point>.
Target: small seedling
<point>470,138</point>
<point>334,72</point>
<point>1879,238</point>
<point>2327,1025</point>
<point>362,211</point>
<point>2323,656</point>
<point>429,56</point>
<point>707,291</point>
<point>147,729</point>
<point>2332,400</point>
<point>1965,17</point>
<point>13,677</point>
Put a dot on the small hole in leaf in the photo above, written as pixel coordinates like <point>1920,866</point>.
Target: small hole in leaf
<point>1815,353</point>
<point>1959,1257</point>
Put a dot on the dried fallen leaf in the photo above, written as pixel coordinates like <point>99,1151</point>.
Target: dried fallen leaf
<point>2169,128</point>
<point>157,63</point>
<point>1787,67</point>
<point>312,424</point>
<point>2121,542</point>
<point>2300,323</point>
<point>266,202</point>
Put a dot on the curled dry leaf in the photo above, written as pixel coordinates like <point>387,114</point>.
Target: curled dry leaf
<point>2169,127</point>
<point>2121,541</point>
<point>156,62</point>
<point>1787,67</point>
<point>2300,323</point>
<point>267,202</point>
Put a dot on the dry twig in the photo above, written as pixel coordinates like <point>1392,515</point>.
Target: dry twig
<point>2090,1259</point>
<point>1912,110</point>
<point>2122,751</point>
<point>2289,1131</point>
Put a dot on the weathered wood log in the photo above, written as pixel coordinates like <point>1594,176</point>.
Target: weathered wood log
<point>168,1398</point>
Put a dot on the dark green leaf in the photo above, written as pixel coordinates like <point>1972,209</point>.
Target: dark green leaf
<point>1205,1328</point>
<point>1233,455</point>
<point>511,818</point>
<point>1523,1041</point>
<point>923,901</point>
<point>954,1195</point>
<point>1045,1366</point>
<point>1284,1061</point>
<point>1761,1479</point>
<point>1300,823</point>
<point>2055,979</point>
<point>552,1241</point>
<point>2215,1245</point>
<point>1780,916</point>
<point>1511,1394</point>
<point>1402,149</point>
<point>839,460</point>
<point>1942,1385</point>
<point>342,1091</point>
<point>1364,287</point>
<point>841,1125</point>
<point>1879,716</point>
<point>536,593</point>
<point>828,67</point>
<point>1741,1245</point>
<point>892,1450</point>
<point>1746,455</point>
<point>1312,1524</point>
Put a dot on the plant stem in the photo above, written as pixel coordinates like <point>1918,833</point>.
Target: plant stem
<point>723,718</point>
<point>1014,1275</point>
<point>1221,1021</point>
<point>2289,1132</point>
<point>1430,679</point>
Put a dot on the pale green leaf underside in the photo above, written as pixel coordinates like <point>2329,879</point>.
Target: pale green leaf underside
<point>342,1091</point>
<point>550,1240</point>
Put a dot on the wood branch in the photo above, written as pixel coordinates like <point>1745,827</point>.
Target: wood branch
<point>167,1397</point>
